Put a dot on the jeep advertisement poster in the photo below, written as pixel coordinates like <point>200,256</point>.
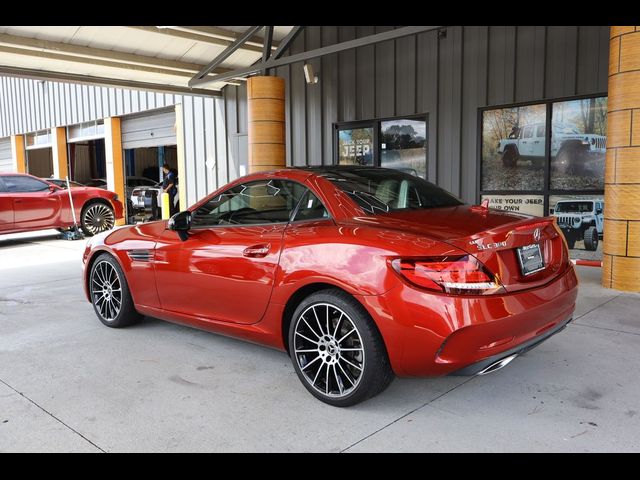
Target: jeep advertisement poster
<point>355,146</point>
<point>549,154</point>
<point>581,219</point>
<point>513,148</point>
<point>578,144</point>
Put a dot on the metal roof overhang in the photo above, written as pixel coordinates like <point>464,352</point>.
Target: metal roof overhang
<point>176,59</point>
<point>154,58</point>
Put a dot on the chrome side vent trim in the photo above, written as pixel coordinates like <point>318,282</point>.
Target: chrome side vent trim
<point>140,255</point>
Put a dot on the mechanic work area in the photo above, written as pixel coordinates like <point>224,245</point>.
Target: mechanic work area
<point>212,235</point>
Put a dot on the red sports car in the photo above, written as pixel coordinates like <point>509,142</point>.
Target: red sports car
<point>28,203</point>
<point>359,273</point>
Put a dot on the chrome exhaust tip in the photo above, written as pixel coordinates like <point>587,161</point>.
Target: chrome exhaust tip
<point>498,365</point>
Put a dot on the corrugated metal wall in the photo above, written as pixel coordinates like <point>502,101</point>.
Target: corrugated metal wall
<point>6,158</point>
<point>211,158</point>
<point>449,78</point>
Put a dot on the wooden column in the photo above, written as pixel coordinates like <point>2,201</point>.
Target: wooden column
<point>59,151</point>
<point>18,153</point>
<point>621,262</point>
<point>266,129</point>
<point>114,160</point>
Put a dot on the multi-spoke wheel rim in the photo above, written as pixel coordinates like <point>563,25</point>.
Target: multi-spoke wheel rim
<point>329,350</point>
<point>106,290</point>
<point>98,218</point>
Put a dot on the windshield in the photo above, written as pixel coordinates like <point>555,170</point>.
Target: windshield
<point>381,190</point>
<point>574,207</point>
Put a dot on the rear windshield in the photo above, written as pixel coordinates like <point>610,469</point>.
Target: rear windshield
<point>380,190</point>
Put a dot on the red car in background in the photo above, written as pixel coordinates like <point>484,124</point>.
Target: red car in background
<point>359,273</point>
<point>28,203</point>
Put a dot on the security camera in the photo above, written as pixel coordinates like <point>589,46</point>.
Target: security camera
<point>309,76</point>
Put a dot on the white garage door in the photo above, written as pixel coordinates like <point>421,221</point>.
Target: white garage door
<point>150,130</point>
<point>6,159</point>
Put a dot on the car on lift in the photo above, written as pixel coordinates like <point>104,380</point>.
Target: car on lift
<point>28,203</point>
<point>573,152</point>
<point>581,220</point>
<point>359,273</point>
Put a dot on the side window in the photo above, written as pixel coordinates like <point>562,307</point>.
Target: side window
<point>540,133</point>
<point>20,184</point>
<point>311,208</point>
<point>252,203</point>
<point>528,132</point>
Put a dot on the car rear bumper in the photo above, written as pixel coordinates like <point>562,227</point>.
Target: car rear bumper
<point>432,335</point>
<point>484,364</point>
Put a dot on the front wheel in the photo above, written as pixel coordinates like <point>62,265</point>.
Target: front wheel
<point>97,217</point>
<point>110,294</point>
<point>591,239</point>
<point>336,349</point>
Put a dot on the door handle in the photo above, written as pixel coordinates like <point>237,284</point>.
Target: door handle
<point>15,200</point>
<point>257,251</point>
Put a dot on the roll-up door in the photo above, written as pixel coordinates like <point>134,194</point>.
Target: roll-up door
<point>149,130</point>
<point>6,158</point>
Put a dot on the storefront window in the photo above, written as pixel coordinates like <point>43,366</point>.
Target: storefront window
<point>355,146</point>
<point>578,144</point>
<point>513,148</point>
<point>403,146</point>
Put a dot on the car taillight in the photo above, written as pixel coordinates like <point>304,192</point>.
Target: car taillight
<point>452,274</point>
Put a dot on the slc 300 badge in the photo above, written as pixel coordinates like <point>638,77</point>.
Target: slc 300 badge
<point>488,246</point>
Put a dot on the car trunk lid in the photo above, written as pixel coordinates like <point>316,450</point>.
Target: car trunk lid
<point>494,237</point>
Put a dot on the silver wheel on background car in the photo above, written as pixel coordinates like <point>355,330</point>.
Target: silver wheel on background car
<point>97,218</point>
<point>329,350</point>
<point>106,290</point>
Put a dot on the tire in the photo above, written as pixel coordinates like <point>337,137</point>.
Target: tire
<point>113,306</point>
<point>591,239</point>
<point>354,375</point>
<point>571,239</point>
<point>510,158</point>
<point>568,160</point>
<point>97,217</point>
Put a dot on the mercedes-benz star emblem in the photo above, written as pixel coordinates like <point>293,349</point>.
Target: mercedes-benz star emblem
<point>536,234</point>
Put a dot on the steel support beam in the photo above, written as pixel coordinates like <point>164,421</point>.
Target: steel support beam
<point>225,54</point>
<point>266,48</point>
<point>103,82</point>
<point>293,33</point>
<point>338,47</point>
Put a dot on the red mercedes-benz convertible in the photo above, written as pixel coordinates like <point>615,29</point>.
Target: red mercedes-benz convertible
<point>359,273</point>
<point>28,203</point>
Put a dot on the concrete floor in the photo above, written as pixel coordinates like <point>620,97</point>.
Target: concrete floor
<point>67,383</point>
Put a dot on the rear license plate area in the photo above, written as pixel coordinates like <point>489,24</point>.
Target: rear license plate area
<point>530,259</point>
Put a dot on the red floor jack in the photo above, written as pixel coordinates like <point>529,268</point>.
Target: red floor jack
<point>74,233</point>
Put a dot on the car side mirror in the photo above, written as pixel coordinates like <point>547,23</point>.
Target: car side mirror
<point>181,223</point>
<point>598,211</point>
<point>551,211</point>
<point>53,188</point>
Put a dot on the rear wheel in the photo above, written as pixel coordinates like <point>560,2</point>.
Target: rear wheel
<point>510,158</point>
<point>336,350</point>
<point>110,293</point>
<point>97,217</point>
<point>591,239</point>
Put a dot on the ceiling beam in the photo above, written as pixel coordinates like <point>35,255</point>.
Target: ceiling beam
<point>222,34</point>
<point>103,82</point>
<point>197,35</point>
<point>319,52</point>
<point>225,54</point>
<point>88,53</point>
